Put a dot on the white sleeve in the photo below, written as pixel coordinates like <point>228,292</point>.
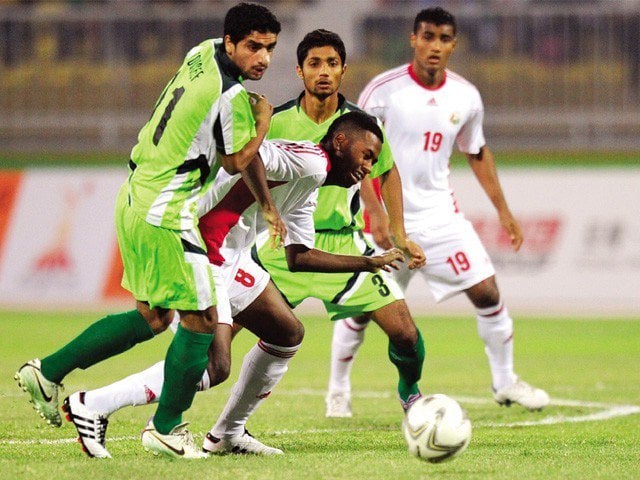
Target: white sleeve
<point>300,227</point>
<point>471,136</point>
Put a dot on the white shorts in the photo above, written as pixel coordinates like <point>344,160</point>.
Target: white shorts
<point>245,280</point>
<point>238,284</point>
<point>456,259</point>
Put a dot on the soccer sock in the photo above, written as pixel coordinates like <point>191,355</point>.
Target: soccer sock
<point>495,327</point>
<point>138,389</point>
<point>105,338</point>
<point>262,368</point>
<point>347,338</point>
<point>185,362</point>
<point>409,365</point>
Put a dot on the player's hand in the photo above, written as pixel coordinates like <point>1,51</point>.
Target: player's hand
<point>387,260</point>
<point>260,107</point>
<point>414,252</point>
<point>277,228</point>
<point>511,225</point>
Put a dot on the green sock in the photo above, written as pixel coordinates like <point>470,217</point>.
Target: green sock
<point>185,362</point>
<point>409,365</point>
<point>105,338</point>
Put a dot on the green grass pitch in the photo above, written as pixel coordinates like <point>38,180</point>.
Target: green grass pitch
<point>589,366</point>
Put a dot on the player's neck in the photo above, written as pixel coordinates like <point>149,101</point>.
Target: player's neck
<point>319,109</point>
<point>429,78</point>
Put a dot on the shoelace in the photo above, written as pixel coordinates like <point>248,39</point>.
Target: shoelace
<point>100,426</point>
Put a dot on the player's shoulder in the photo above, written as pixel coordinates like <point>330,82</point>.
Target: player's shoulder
<point>293,160</point>
<point>384,83</point>
<point>389,77</point>
<point>457,81</point>
<point>286,107</point>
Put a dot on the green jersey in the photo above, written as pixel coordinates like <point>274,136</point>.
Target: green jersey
<point>338,207</point>
<point>203,111</point>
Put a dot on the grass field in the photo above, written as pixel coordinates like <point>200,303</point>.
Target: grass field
<point>589,366</point>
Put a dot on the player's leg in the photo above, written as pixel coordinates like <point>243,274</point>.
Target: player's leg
<point>348,335</point>
<point>280,334</point>
<point>495,328</point>
<point>107,337</point>
<point>183,277</point>
<point>406,348</point>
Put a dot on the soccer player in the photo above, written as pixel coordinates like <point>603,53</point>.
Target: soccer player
<point>203,120</point>
<point>338,222</point>
<point>426,108</point>
<point>295,170</point>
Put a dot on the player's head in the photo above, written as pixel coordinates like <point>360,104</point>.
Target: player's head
<point>250,36</point>
<point>436,16</point>
<point>433,40</point>
<point>321,62</point>
<point>353,143</point>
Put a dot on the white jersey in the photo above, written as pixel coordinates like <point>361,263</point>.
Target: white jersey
<point>230,218</point>
<point>422,125</point>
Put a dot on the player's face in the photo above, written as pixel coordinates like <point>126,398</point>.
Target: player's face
<point>432,45</point>
<point>322,71</point>
<point>252,54</point>
<point>359,152</point>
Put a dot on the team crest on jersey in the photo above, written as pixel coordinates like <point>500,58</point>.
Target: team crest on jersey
<point>454,118</point>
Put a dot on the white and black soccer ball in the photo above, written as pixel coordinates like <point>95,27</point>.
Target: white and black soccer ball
<point>436,428</point>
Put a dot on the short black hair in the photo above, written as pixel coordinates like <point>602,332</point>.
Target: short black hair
<point>320,38</point>
<point>436,15</point>
<point>245,18</point>
<point>354,120</point>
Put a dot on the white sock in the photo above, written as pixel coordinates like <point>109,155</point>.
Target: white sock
<point>262,368</point>
<point>347,338</point>
<point>140,388</point>
<point>495,327</point>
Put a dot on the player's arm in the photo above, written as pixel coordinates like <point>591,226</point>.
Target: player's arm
<point>391,190</point>
<point>238,161</point>
<point>303,259</point>
<point>255,177</point>
<point>484,168</point>
<point>378,218</point>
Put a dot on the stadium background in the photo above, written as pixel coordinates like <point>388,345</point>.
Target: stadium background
<point>560,82</point>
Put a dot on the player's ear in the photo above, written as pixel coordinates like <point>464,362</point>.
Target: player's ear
<point>339,141</point>
<point>412,40</point>
<point>229,47</point>
<point>299,72</point>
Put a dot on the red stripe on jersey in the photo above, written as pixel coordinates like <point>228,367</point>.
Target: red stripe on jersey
<point>215,225</point>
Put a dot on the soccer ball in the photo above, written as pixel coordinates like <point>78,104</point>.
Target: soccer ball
<point>436,428</point>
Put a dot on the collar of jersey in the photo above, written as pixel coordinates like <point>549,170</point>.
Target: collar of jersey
<point>226,65</point>
<point>415,78</point>
<point>342,102</point>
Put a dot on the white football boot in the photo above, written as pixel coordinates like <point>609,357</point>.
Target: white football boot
<point>178,443</point>
<point>91,426</point>
<point>338,405</point>
<point>522,393</point>
<point>237,444</point>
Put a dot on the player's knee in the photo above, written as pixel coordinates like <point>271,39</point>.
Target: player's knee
<point>295,334</point>
<point>159,319</point>
<point>218,371</point>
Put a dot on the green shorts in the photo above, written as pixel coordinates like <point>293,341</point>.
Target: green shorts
<point>166,268</point>
<point>344,294</point>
